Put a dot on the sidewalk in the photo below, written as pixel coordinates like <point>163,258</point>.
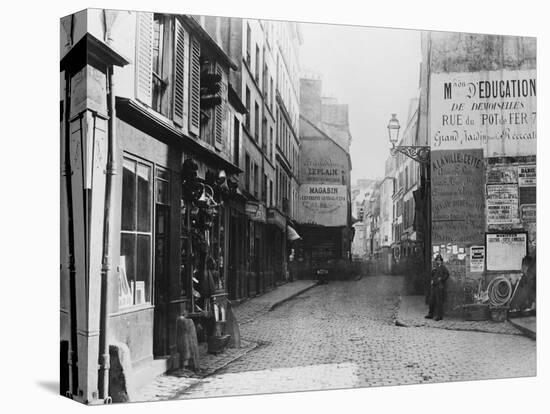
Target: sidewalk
<point>526,324</point>
<point>174,383</point>
<point>412,309</point>
<point>252,308</point>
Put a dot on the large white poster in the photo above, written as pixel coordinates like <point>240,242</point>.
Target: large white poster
<point>506,251</point>
<point>323,204</point>
<point>492,110</point>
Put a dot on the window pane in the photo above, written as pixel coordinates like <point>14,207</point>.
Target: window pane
<point>144,197</point>
<point>128,251</point>
<point>143,276</point>
<point>128,221</point>
<point>163,192</point>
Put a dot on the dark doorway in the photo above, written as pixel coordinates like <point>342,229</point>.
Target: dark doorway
<point>162,254</point>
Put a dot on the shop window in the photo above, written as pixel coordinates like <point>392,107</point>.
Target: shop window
<point>136,234</point>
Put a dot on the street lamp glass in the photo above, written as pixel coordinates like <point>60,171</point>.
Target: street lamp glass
<point>393,129</point>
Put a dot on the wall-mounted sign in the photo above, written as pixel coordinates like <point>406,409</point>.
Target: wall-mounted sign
<point>323,204</point>
<point>527,176</point>
<point>528,212</point>
<point>276,218</point>
<point>502,204</point>
<point>322,161</point>
<point>505,251</point>
<point>492,110</point>
<point>458,196</point>
<point>477,258</point>
<point>255,211</point>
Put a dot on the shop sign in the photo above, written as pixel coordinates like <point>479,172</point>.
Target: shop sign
<point>505,251</point>
<point>491,110</point>
<point>323,204</point>
<point>477,259</point>
<point>323,162</point>
<point>276,218</point>
<point>527,176</point>
<point>528,212</point>
<point>502,204</point>
<point>255,211</point>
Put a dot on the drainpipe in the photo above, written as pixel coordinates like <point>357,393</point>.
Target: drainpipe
<point>67,170</point>
<point>106,270</point>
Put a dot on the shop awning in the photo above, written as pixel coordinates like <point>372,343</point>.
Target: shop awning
<point>292,234</point>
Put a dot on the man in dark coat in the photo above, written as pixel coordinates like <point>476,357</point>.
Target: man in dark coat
<point>440,274</point>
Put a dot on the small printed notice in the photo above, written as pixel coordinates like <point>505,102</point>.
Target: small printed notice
<point>527,176</point>
<point>477,258</point>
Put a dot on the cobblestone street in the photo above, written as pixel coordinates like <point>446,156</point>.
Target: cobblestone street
<point>343,334</point>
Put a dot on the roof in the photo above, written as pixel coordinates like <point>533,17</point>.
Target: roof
<point>89,48</point>
<point>324,134</point>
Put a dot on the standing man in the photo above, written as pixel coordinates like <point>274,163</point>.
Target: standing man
<point>440,274</point>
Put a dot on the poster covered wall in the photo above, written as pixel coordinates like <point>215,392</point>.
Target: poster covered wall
<point>491,110</point>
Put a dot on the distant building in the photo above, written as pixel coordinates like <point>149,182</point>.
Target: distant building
<point>325,188</point>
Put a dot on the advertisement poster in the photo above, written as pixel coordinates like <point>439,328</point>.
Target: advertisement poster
<point>323,204</point>
<point>503,175</point>
<point>502,204</point>
<point>505,251</point>
<point>477,258</point>
<point>458,196</point>
<point>528,212</point>
<point>492,110</point>
<point>527,176</point>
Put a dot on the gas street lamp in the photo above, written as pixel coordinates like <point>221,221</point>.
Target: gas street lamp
<point>418,153</point>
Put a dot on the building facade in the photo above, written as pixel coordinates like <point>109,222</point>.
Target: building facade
<point>478,114</point>
<point>266,53</point>
<point>325,188</point>
<point>179,184</point>
<point>147,162</point>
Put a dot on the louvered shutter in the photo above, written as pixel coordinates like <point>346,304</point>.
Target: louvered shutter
<point>220,109</point>
<point>181,64</point>
<point>144,57</point>
<point>195,87</point>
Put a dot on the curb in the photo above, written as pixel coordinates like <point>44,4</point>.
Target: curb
<point>526,331</point>
<point>203,376</point>
<point>293,295</point>
<point>401,323</point>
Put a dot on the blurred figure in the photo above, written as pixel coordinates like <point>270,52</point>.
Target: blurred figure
<point>440,274</point>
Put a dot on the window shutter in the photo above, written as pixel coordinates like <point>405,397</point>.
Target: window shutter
<point>220,109</point>
<point>144,57</point>
<point>181,62</point>
<point>195,88</point>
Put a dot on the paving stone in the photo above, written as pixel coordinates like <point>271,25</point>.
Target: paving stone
<point>343,335</point>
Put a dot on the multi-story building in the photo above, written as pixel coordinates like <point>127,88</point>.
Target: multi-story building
<point>387,188</point>
<point>148,158</point>
<point>483,171</point>
<point>266,54</point>
<point>408,242</point>
<point>325,188</point>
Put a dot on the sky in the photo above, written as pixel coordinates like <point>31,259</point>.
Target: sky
<point>376,72</point>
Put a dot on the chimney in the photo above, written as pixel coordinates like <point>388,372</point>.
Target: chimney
<point>310,99</point>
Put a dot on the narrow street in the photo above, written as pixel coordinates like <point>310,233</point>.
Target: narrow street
<point>343,335</point>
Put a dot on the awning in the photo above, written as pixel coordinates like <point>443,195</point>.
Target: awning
<point>292,234</point>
